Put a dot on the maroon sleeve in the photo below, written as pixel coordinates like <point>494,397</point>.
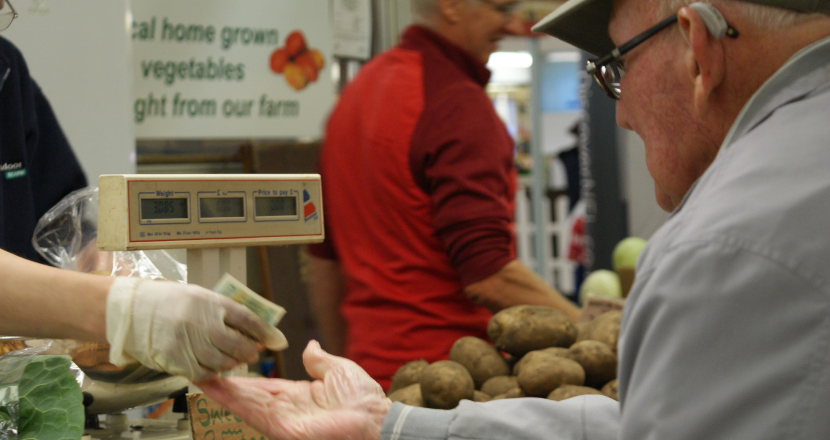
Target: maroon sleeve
<point>461,156</point>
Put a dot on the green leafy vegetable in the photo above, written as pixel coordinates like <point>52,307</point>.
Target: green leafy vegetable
<point>6,420</point>
<point>51,402</point>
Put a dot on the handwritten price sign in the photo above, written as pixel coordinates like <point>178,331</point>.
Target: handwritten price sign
<point>209,421</point>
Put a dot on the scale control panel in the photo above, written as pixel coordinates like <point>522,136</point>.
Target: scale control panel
<point>169,211</point>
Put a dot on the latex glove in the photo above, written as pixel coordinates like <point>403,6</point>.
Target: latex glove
<point>343,403</point>
<point>182,329</point>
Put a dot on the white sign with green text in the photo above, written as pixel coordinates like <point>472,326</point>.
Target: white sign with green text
<point>231,69</point>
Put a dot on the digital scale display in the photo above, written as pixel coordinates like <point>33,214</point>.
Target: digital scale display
<point>222,207</point>
<point>276,206</point>
<point>164,209</point>
<point>189,211</point>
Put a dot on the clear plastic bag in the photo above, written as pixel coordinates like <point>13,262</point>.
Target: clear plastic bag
<point>66,237</point>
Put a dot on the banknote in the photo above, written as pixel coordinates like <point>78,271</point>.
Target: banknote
<point>235,290</point>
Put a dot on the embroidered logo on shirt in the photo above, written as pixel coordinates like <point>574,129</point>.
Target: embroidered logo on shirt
<point>15,174</point>
<point>13,170</point>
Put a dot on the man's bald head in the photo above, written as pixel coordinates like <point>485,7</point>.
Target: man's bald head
<point>423,10</point>
<point>427,12</point>
<point>474,25</point>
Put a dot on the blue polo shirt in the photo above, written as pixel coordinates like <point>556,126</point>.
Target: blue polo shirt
<point>37,166</point>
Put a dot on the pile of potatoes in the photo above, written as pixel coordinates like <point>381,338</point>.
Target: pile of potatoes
<point>547,356</point>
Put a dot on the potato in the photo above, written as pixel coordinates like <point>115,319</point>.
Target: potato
<point>479,358</point>
<point>90,354</point>
<point>598,361</point>
<point>546,372</point>
<point>410,395</point>
<point>515,393</point>
<point>445,383</point>
<point>511,394</point>
<point>521,329</point>
<point>606,328</point>
<point>556,351</point>
<point>408,374</point>
<point>478,396</point>
<point>499,385</point>
<point>11,345</point>
<point>568,391</point>
<point>582,330</point>
<point>610,390</point>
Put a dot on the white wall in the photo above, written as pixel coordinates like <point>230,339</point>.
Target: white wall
<point>391,18</point>
<point>79,53</point>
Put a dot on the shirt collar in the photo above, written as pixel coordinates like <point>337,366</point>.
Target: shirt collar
<point>798,77</point>
<point>415,37</point>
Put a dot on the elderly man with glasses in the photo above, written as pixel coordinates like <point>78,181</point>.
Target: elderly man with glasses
<point>726,332</point>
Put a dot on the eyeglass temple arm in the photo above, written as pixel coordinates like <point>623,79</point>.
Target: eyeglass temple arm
<point>628,45</point>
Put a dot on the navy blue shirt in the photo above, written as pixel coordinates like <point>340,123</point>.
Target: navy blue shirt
<point>37,166</point>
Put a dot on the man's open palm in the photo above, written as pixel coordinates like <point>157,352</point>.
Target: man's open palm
<point>342,403</point>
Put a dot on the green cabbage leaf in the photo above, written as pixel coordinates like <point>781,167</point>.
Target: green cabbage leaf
<point>42,394</point>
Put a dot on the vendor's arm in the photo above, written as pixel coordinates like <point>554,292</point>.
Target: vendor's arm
<point>516,284</point>
<point>325,291</point>
<point>464,162</point>
<point>42,301</point>
<point>179,328</point>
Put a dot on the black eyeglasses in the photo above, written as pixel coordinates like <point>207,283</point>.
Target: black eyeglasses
<point>506,9</point>
<point>7,15</point>
<point>608,70</point>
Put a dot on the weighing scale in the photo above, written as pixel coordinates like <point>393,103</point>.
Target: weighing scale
<point>214,217</point>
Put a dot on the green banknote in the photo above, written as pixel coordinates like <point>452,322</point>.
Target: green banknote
<point>235,290</point>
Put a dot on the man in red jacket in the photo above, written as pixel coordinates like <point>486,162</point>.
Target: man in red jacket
<point>418,181</point>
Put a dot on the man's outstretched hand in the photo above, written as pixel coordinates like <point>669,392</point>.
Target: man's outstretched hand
<point>343,402</point>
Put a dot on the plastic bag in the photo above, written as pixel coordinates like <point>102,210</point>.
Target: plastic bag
<point>66,237</point>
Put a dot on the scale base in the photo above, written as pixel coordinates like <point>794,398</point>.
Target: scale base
<point>143,429</point>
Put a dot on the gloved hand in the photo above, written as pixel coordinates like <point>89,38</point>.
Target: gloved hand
<point>343,403</point>
<point>182,329</point>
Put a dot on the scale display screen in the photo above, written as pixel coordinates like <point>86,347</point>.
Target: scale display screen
<point>222,207</point>
<point>163,209</point>
<point>276,206</point>
<point>205,211</point>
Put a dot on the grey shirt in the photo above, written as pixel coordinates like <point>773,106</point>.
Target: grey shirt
<point>726,332</point>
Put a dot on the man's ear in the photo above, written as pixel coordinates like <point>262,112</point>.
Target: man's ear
<point>704,57</point>
<point>450,10</point>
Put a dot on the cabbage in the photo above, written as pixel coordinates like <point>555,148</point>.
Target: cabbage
<point>626,253</point>
<point>43,395</point>
<point>601,282</point>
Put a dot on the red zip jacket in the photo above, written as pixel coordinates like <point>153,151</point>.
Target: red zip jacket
<point>418,185</point>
